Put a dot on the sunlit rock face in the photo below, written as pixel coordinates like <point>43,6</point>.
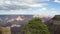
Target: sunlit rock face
<point>19,18</point>
<point>15,25</point>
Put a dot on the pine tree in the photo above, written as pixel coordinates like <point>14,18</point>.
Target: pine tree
<point>36,26</point>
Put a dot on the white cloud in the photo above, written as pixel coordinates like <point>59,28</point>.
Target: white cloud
<point>57,1</point>
<point>42,1</point>
<point>23,3</point>
<point>29,4</point>
<point>44,9</point>
<point>41,11</point>
<point>22,6</point>
<point>52,11</point>
<point>34,5</point>
<point>36,12</point>
<point>16,12</point>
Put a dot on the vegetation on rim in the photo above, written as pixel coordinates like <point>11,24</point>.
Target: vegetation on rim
<point>36,26</point>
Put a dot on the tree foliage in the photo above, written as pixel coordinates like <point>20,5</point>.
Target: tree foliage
<point>35,26</point>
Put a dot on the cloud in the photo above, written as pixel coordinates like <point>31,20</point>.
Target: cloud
<point>45,11</point>
<point>21,1</point>
<point>57,1</point>
<point>39,1</point>
<point>26,7</point>
<point>19,18</point>
<point>18,2</point>
<point>41,11</point>
<point>37,11</point>
<point>52,12</point>
<point>21,4</point>
<point>13,7</point>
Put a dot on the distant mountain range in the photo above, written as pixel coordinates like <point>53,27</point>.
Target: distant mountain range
<point>8,20</point>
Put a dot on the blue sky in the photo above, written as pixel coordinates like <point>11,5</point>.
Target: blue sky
<point>34,7</point>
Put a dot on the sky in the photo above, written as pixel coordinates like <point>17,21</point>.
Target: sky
<point>30,7</point>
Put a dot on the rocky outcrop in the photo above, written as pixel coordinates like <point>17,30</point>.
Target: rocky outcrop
<point>53,25</point>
